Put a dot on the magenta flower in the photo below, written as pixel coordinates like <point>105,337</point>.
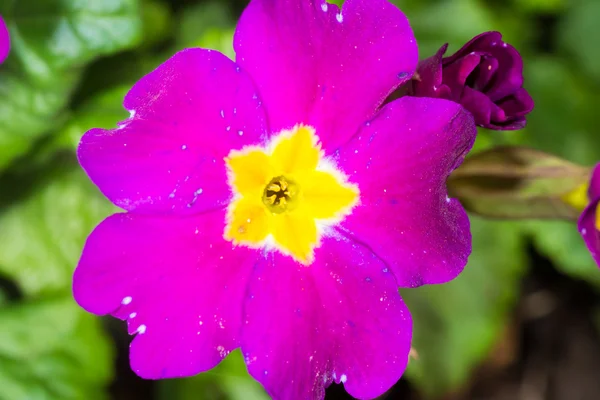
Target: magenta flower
<point>485,76</point>
<point>589,221</point>
<point>4,41</point>
<point>273,204</point>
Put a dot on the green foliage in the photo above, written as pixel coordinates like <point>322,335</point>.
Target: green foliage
<point>433,28</point>
<point>42,235</point>
<point>228,381</point>
<point>580,33</point>
<point>208,25</point>
<point>51,40</point>
<point>71,64</point>
<point>456,324</point>
<point>52,350</point>
<point>29,109</point>
<point>561,243</point>
<point>58,35</point>
<point>103,110</point>
<point>563,123</point>
<point>539,5</point>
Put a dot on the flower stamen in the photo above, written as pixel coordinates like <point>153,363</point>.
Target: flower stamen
<point>279,194</point>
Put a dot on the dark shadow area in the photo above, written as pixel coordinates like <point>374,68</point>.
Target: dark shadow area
<point>550,349</point>
<point>126,385</point>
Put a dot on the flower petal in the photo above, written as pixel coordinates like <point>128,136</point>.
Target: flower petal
<point>515,107</point>
<point>247,221</point>
<point>4,40</point>
<point>588,228</point>
<point>400,162</point>
<point>486,113</point>
<point>296,152</point>
<point>455,75</point>
<point>428,82</point>
<point>327,68</point>
<point>484,74</point>
<point>589,223</point>
<point>340,319</point>
<point>594,187</point>
<point>509,75</point>
<point>165,157</point>
<point>325,196</point>
<point>295,233</point>
<point>176,280</point>
<point>249,171</point>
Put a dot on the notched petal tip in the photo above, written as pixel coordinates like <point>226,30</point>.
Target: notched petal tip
<point>164,157</point>
<point>313,79</point>
<point>359,310</point>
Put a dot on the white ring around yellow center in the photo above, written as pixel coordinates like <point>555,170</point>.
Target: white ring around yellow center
<point>260,214</point>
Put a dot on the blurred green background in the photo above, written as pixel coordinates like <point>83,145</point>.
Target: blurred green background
<point>71,63</point>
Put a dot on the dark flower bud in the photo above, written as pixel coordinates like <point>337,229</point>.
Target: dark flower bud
<point>485,76</point>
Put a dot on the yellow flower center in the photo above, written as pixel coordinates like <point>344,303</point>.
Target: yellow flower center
<point>578,199</point>
<point>285,194</point>
<point>280,195</point>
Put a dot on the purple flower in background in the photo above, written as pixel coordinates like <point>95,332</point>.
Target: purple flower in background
<point>274,205</point>
<point>485,76</point>
<point>589,221</point>
<point>4,41</point>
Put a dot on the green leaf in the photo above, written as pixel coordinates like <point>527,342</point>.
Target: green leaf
<point>50,350</point>
<point>56,35</point>
<point>540,6</point>
<point>50,41</point>
<point>456,324</point>
<point>157,22</point>
<point>29,109</point>
<point>208,25</point>
<point>563,123</point>
<point>579,34</point>
<point>433,27</point>
<point>561,242</point>
<point>228,381</point>
<point>42,235</point>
